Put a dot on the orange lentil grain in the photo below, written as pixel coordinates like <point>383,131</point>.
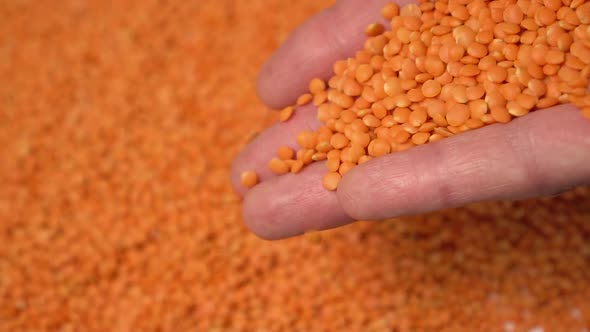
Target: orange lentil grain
<point>278,166</point>
<point>285,153</point>
<point>431,88</point>
<point>316,86</point>
<point>500,114</point>
<point>458,114</point>
<point>307,139</point>
<point>304,99</point>
<point>345,167</point>
<point>379,147</point>
<point>248,179</point>
<point>331,180</point>
<point>390,10</point>
<point>374,29</point>
<point>286,113</point>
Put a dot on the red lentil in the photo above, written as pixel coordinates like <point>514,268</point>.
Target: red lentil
<point>249,179</point>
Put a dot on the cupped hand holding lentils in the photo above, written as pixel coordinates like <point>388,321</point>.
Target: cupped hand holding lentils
<point>385,125</point>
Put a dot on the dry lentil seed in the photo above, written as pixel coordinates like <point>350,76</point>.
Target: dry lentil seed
<point>379,111</point>
<point>457,114</point>
<point>459,93</point>
<point>434,66</point>
<point>304,99</point>
<point>345,167</point>
<point>320,98</point>
<point>323,146</point>
<point>339,141</point>
<point>352,88</point>
<point>248,179</point>
<point>456,52</point>
<point>278,166</point>
<point>418,117</point>
<point>477,50</point>
<point>443,132</point>
<point>445,78</point>
<point>364,159</point>
<point>469,70</point>
<point>544,16</point>
<point>379,147</point>
<point>475,92</point>
<point>410,10</point>
<point>316,86</point>
<point>536,71</point>
<point>497,74</point>
<point>526,101</point>
<point>555,57</point>
<point>455,130</point>
<point>363,73</point>
<point>547,102</point>
<point>319,156</point>
<point>420,138</point>
<point>500,114</point>
<point>474,123</point>
<point>339,68</point>
<point>537,87</point>
<point>374,29</point>
<point>513,14</point>
<point>333,164</point>
<point>289,162</point>
<point>415,95</point>
<point>431,88</point>
<point>454,68</point>
<point>286,113</point>
<point>407,85</point>
<point>331,180</point>
<point>307,139</point>
<point>285,153</point>
<point>510,91</point>
<point>477,108</point>
<point>355,152</point>
<point>297,166</point>
<point>464,37</point>
<point>469,60</point>
<point>423,77</point>
<point>307,156</point>
<point>390,11</point>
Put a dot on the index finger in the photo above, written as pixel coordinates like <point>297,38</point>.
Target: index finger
<point>310,51</point>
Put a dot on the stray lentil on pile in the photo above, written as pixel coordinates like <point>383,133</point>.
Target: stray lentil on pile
<point>116,213</point>
<point>445,67</point>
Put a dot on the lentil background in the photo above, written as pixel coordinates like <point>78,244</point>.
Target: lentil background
<point>118,121</point>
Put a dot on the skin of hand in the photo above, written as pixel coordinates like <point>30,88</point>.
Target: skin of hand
<point>543,153</point>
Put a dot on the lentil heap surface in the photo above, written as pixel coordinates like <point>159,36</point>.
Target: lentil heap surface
<point>118,122</point>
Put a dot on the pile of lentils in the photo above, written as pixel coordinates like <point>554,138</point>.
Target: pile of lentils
<point>116,213</point>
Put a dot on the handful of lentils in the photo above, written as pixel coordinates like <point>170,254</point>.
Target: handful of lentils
<point>444,68</point>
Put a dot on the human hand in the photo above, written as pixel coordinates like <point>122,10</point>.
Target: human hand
<point>543,153</point>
